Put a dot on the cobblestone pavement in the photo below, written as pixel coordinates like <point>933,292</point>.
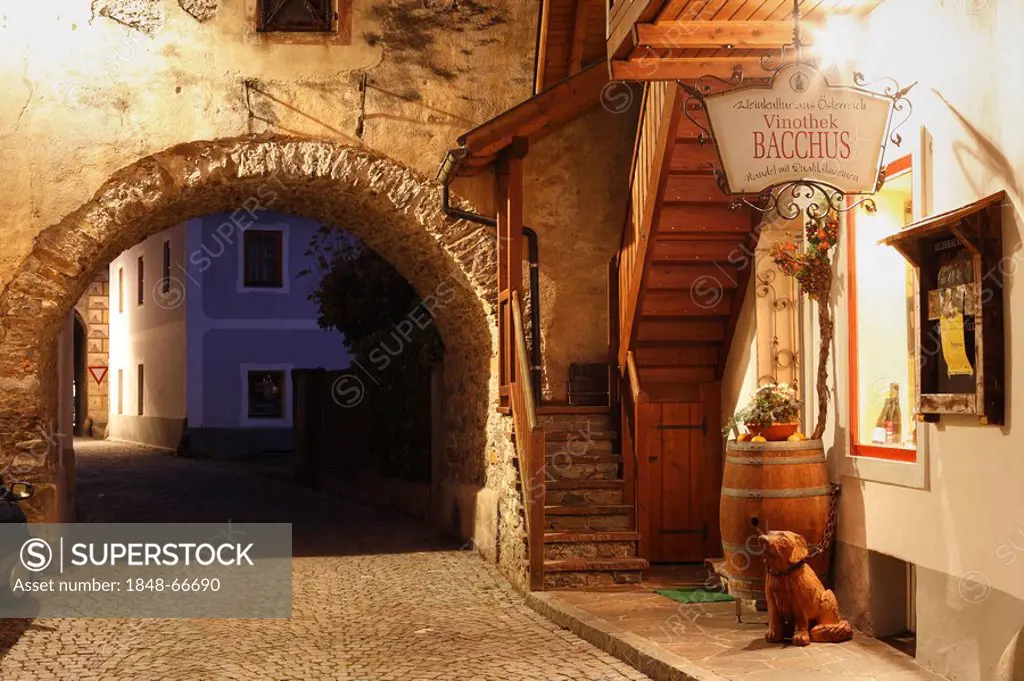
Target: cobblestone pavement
<point>376,597</point>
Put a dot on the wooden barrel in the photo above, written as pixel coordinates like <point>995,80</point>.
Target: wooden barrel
<point>770,486</point>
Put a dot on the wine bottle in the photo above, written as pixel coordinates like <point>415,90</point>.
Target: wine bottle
<point>879,436</point>
<point>894,423</point>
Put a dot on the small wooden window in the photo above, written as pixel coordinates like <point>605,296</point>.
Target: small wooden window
<point>266,394</point>
<point>165,280</point>
<point>120,391</point>
<point>141,389</point>
<point>141,292</point>
<point>316,16</point>
<point>120,289</point>
<point>263,258</point>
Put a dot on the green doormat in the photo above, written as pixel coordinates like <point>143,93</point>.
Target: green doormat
<point>695,595</point>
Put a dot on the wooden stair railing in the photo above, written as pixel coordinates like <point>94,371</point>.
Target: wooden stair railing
<point>680,276</point>
<point>655,137</point>
<point>530,449</point>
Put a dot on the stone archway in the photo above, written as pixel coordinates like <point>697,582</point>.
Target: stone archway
<point>393,210</point>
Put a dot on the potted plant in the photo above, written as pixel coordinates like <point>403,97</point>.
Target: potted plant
<point>773,414</point>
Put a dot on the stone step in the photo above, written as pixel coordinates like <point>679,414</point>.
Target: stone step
<point>593,433</point>
<point>587,518</point>
<point>600,565</point>
<point>585,496</point>
<point>590,545</point>
<point>578,445</point>
<point>585,423</point>
<point>577,573</point>
<point>615,483</point>
<point>594,467</point>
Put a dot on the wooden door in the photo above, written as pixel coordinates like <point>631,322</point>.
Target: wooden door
<point>684,468</point>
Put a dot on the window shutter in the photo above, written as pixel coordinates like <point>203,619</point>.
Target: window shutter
<point>296,15</point>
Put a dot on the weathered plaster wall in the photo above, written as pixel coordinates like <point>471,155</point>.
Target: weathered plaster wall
<point>961,530</point>
<point>575,197</point>
<point>87,94</point>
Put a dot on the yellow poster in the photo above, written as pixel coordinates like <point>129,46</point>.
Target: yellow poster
<point>954,348</point>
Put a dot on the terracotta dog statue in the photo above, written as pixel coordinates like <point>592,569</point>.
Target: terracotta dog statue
<point>799,606</point>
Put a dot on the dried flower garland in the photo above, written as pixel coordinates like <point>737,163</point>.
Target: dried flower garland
<point>812,269</point>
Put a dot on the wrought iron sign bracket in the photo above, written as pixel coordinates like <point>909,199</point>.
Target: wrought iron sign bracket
<point>809,195</point>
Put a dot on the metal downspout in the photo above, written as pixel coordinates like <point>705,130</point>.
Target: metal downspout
<point>445,174</point>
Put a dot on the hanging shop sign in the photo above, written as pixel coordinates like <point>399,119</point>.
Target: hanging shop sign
<point>799,128</point>
<point>798,143</point>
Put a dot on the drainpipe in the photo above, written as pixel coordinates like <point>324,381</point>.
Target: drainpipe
<point>445,174</point>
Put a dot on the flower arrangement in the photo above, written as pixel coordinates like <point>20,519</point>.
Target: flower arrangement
<point>773,404</point>
<point>812,269</point>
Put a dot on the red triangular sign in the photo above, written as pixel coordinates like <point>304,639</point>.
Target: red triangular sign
<point>98,373</point>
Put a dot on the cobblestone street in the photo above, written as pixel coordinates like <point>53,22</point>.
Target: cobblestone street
<point>376,596</point>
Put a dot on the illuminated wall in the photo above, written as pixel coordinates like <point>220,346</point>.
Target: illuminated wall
<point>959,526</point>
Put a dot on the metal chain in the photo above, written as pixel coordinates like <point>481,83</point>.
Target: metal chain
<point>830,524</point>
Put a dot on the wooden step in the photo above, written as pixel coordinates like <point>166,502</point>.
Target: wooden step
<point>684,219</point>
<point>690,157</point>
<point>676,354</point>
<point>650,375</point>
<point>700,301</point>
<point>718,250</point>
<point>654,329</point>
<point>684,276</point>
<point>694,189</point>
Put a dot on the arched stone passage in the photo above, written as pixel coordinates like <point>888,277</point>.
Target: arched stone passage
<point>394,211</point>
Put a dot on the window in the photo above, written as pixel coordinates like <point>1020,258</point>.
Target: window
<point>263,266</point>
<point>266,394</point>
<point>883,367</point>
<point>141,281</point>
<point>141,389</point>
<point>296,15</point>
<point>120,289</point>
<point>120,391</point>
<point>165,280</point>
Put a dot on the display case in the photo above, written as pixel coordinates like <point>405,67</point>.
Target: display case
<point>958,257</point>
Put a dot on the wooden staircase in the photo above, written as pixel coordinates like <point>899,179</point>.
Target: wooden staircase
<point>590,538</point>
<point>677,287</point>
<point>689,256</point>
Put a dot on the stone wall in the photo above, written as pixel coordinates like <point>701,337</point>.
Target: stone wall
<point>390,208</point>
<point>94,309</point>
<point>131,78</point>
<point>93,87</point>
<point>102,130</point>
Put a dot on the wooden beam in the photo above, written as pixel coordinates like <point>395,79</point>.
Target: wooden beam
<point>542,47</point>
<point>622,18</point>
<point>579,34</point>
<point>683,68</point>
<point>541,113</point>
<point>713,35</point>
